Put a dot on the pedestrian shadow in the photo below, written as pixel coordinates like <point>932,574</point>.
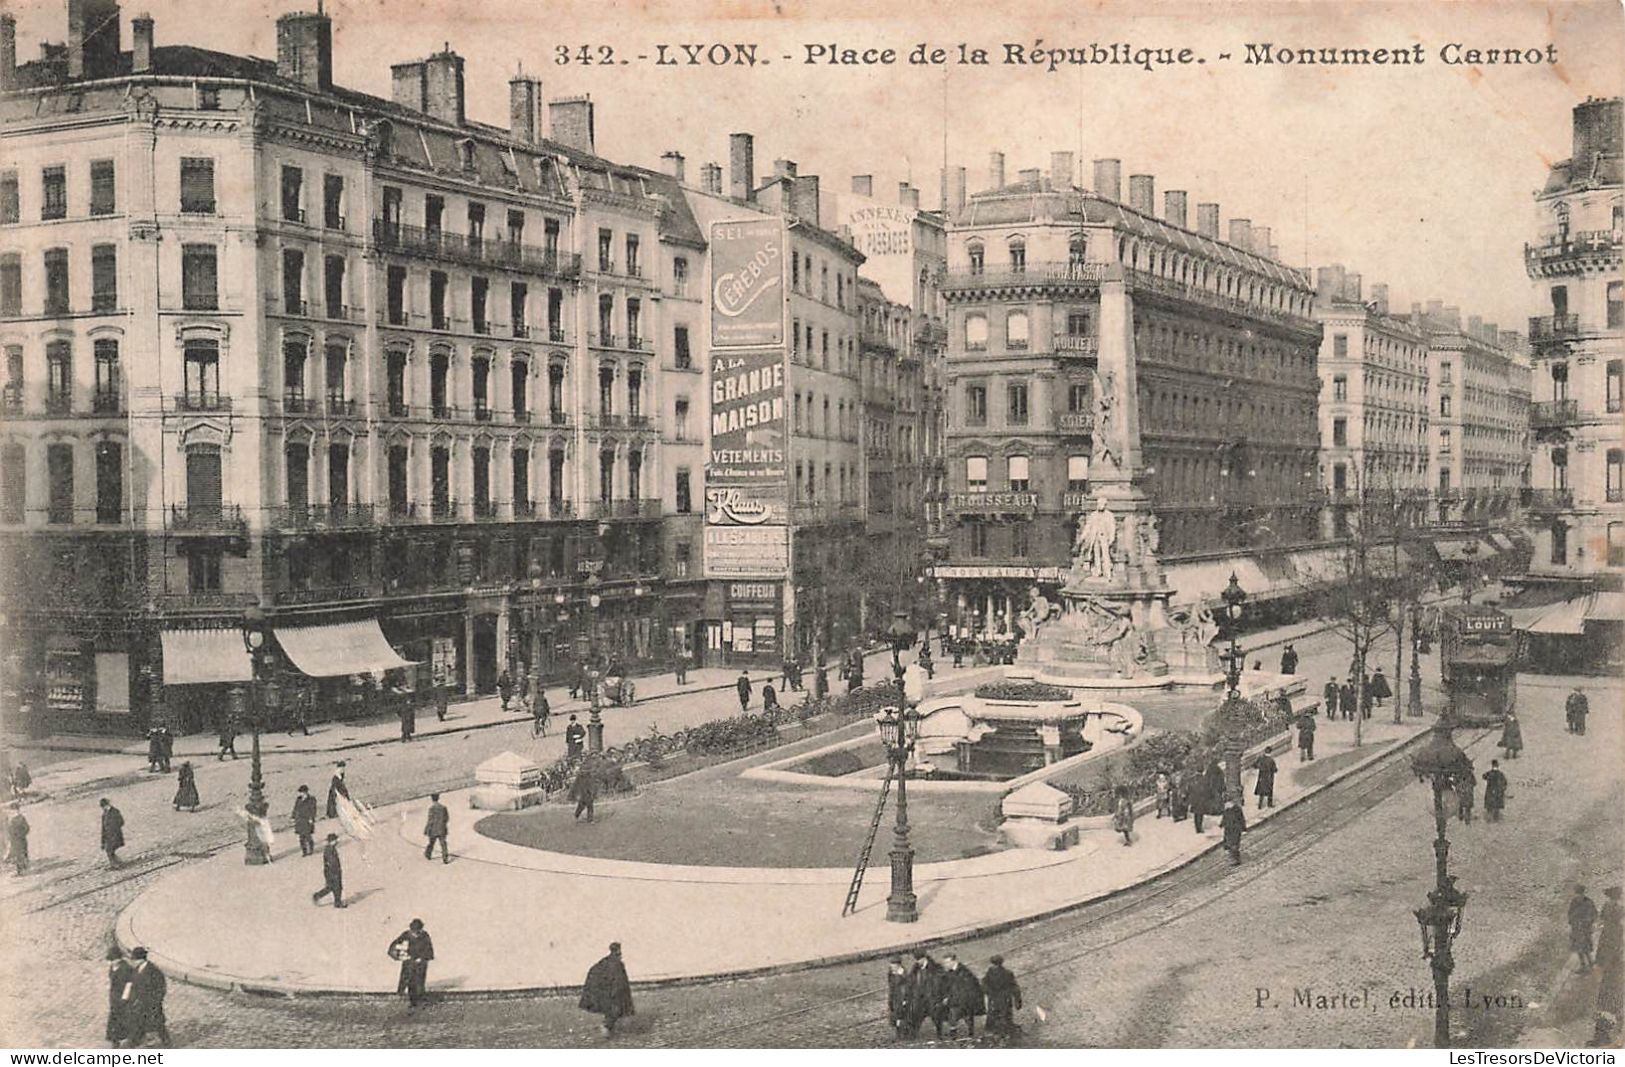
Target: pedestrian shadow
<point>353,899</point>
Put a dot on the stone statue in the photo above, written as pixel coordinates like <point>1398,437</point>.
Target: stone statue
<point>1206,628</point>
<point>1096,535</point>
<point>1039,611</point>
<point>1150,538</point>
<point>1106,421</point>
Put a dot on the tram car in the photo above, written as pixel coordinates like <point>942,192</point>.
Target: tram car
<point>1478,654</point>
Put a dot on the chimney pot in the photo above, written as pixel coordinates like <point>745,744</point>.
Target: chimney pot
<point>1109,179</point>
<point>304,51</point>
<point>961,188</point>
<point>1062,170</point>
<point>995,170</point>
<point>1174,207</point>
<point>1142,193</point>
<point>8,51</point>
<point>93,38</point>
<point>443,87</point>
<point>784,168</point>
<point>804,199</point>
<point>1351,287</point>
<point>711,178</point>
<point>1241,233</point>
<point>742,167</point>
<point>1379,297</point>
<point>674,165</point>
<point>141,44</point>
<point>525,109</point>
<point>1261,240</point>
<point>1029,176</point>
<point>1207,220</point>
<point>908,196</point>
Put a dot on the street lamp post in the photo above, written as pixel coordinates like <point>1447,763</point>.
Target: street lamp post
<point>1413,701</point>
<point>899,729</point>
<point>595,698</point>
<point>1234,597</point>
<point>254,634</point>
<point>901,635</point>
<point>1444,766</point>
<point>533,618</point>
<point>1234,713</point>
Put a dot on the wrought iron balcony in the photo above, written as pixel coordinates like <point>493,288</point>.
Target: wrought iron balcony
<point>60,403</point>
<point>1048,274</point>
<point>561,509</point>
<point>524,509</point>
<point>106,402</point>
<point>338,405</point>
<point>558,418</point>
<point>202,402</point>
<point>1553,328</point>
<point>1561,247</point>
<point>298,404</point>
<point>443,510</point>
<point>1547,499</point>
<point>323,516</point>
<point>389,236</point>
<point>487,510</point>
<point>1546,413</point>
<point>208,518</point>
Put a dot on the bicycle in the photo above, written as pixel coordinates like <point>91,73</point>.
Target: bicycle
<point>539,723</point>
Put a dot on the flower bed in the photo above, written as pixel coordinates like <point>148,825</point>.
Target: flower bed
<point>1007,690</point>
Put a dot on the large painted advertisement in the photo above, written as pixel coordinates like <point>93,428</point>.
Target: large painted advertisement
<point>747,283</point>
<point>884,233</point>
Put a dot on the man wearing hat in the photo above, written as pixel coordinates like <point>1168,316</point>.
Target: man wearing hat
<point>17,839</point>
<point>112,832</point>
<point>897,991</point>
<point>1232,823</point>
<point>607,990</point>
<point>118,1009</point>
<point>304,820</point>
<point>144,999</point>
<point>1575,710</point>
<point>575,736</point>
<point>1582,921</point>
<point>1003,997</point>
<point>332,874</point>
<point>1611,961</point>
<point>414,949</point>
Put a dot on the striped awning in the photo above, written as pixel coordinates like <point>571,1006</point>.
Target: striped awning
<point>339,648</point>
<point>205,657</point>
<point>1606,606</point>
<point>1563,617</point>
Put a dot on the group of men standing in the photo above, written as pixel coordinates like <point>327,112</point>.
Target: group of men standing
<point>948,994</point>
<point>135,999</point>
<point>1343,700</point>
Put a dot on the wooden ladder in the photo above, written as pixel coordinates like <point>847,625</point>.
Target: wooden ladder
<point>868,846</point>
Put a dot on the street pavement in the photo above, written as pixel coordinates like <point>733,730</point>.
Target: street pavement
<point>60,917</point>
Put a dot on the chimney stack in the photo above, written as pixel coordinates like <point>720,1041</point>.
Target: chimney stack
<point>1492,332</point>
<point>908,196</point>
<point>1596,132</point>
<point>141,44</point>
<point>1207,220</point>
<point>1109,179</point>
<point>304,52</point>
<point>742,166</point>
<point>525,108</point>
<point>1475,326</point>
<point>1029,176</point>
<point>1173,207</point>
<point>674,165</point>
<point>443,87</point>
<point>995,171</point>
<point>1379,298</point>
<point>863,184</point>
<point>570,119</point>
<point>961,191</point>
<point>1329,282</point>
<point>1352,289</point>
<point>8,51</point>
<point>1261,240</point>
<point>711,178</point>
<point>1142,193</point>
<point>1062,171</point>
<point>784,168</point>
<point>804,197</point>
<point>1241,233</point>
<point>93,39</point>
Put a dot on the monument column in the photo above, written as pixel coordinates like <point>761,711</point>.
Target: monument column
<point>1114,465</point>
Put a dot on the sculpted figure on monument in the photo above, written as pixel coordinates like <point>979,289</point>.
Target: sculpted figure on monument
<point>1039,611</point>
<point>1097,533</point>
<point>1106,446</point>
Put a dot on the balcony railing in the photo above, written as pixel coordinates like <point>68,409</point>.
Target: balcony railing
<point>202,402</point>
<point>521,330</point>
<point>603,340</point>
<point>208,518</point>
<point>487,510</point>
<point>1056,273</point>
<point>603,420</point>
<point>11,399</point>
<point>561,509</point>
<point>297,404</point>
<point>106,403</point>
<point>1547,499</point>
<point>1553,327</point>
<point>403,511</point>
<point>59,403</point>
<point>322,594</point>
<point>323,516</point>
<point>443,510</point>
<point>1546,413</point>
<point>524,509</point>
<point>391,236</point>
<point>482,413</point>
<point>1568,246</point>
<point>558,418</point>
<point>640,422</point>
<point>625,509</point>
<point>522,417</point>
<point>338,405</point>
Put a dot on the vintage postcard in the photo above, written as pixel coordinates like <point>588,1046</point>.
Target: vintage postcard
<point>811,524</point>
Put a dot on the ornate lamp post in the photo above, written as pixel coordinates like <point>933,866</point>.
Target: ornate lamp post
<point>255,630</point>
<point>595,698</point>
<point>901,635</point>
<point>1235,714</point>
<point>899,729</point>
<point>1234,597</point>
<point>1444,766</point>
<point>533,624</point>
<point>1413,700</point>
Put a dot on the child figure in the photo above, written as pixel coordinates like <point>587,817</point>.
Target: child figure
<point>1165,794</point>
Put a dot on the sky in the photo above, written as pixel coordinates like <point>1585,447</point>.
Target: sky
<point>1420,176</point>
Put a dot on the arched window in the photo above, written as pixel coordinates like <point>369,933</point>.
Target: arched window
<point>1076,254</point>
<point>1018,255</point>
<point>977,255</point>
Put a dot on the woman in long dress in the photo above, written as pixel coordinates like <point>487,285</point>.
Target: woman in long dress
<point>356,818</point>
<point>1512,736</point>
<point>186,794</point>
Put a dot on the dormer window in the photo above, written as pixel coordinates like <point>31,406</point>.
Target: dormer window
<point>465,151</point>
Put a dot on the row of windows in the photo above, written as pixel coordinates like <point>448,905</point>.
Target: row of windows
<point>840,479</point>
<point>101,191</point>
<point>60,474</point>
<point>1018,473</point>
<point>59,377</point>
<point>58,274</point>
<point>803,350</point>
<point>817,421</point>
<point>801,279</point>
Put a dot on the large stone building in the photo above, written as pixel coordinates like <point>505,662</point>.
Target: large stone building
<point>398,375</point>
<point>1576,514</point>
<point>1221,336</point>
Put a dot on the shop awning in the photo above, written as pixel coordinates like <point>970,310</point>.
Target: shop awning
<point>1464,548</point>
<point>339,648</point>
<point>205,657</point>
<point>1606,607</point>
<point>1564,617</point>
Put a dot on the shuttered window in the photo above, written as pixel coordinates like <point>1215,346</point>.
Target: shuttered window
<point>103,190</point>
<point>200,278</point>
<point>203,479</point>
<point>104,278</point>
<point>197,186</point>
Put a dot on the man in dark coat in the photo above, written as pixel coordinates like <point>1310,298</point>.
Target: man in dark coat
<point>119,972</point>
<point>1610,957</point>
<point>575,738</point>
<point>441,691</point>
<point>963,996</point>
<point>607,991</point>
<point>770,697</point>
<point>1264,789</point>
<point>1003,997</point>
<point>1582,923</point>
<point>898,1014</point>
<point>1306,735</point>
<point>227,736</point>
<point>1233,823</point>
<point>1495,791</point>
<point>155,750</point>
<point>332,874</point>
<point>926,997</point>
<point>17,840</point>
<point>743,685</point>
<point>1217,788</point>
<point>414,949</point>
<point>409,719</point>
<point>1575,710</point>
<point>145,1002</point>
<point>1328,696</point>
<point>505,688</point>
<point>1346,700</point>
<point>335,789</point>
<point>584,790</point>
<point>1377,686</point>
<point>1289,660</point>
<point>1196,791</point>
<point>112,832</point>
<point>304,820</point>
<point>437,828</point>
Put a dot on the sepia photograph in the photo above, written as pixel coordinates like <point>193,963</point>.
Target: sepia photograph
<point>811,524</point>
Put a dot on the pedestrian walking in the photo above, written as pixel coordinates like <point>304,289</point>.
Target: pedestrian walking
<point>155,751</point>
<point>820,682</point>
<point>304,820</point>
<point>1289,660</point>
<point>784,673</point>
<point>541,714</point>
<point>1200,799</point>
<point>119,972</point>
<point>1495,791</point>
<point>575,738</point>
<point>1582,925</point>
<point>927,996</point>
<point>505,688</point>
<point>897,998</point>
<point>926,663</point>
<point>21,780</point>
<point>186,788</point>
<point>1575,710</point>
<point>299,718</point>
<point>1610,959</point>
<point>409,719</point>
<point>742,684</point>
<point>437,828</point>
<point>680,667</point>
<point>1365,701</point>
<point>1306,735</point>
<point>442,691</point>
<point>1123,815</point>
<point>17,840</point>
<point>227,736</point>
<point>1179,803</point>
<point>1346,700</point>
<point>1465,789</point>
<point>607,991</point>
<point>1379,688</point>
<point>770,697</point>
<point>414,949</point>
<point>112,832</point>
<point>963,995</point>
<point>1233,823</point>
<point>959,652</point>
<point>1511,736</point>
<point>145,1001</point>
<point>1328,696</point>
<point>1264,788</point>
<point>1217,789</point>
<point>336,787</point>
<point>1003,995</point>
<point>1165,790</point>
<point>584,790</point>
<point>332,874</point>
